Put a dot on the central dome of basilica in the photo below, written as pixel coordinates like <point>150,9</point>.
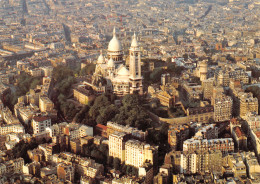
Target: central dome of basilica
<point>114,44</point>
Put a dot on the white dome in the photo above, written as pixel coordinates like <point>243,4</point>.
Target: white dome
<point>101,58</point>
<point>123,71</point>
<point>111,63</point>
<point>134,41</point>
<point>114,44</point>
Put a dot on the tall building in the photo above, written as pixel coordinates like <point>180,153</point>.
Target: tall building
<point>247,104</point>
<point>137,153</point>
<point>253,120</point>
<point>119,79</point>
<point>207,87</point>
<point>222,78</point>
<point>203,70</point>
<point>223,108</point>
<point>217,91</point>
<point>200,161</point>
<point>116,145</point>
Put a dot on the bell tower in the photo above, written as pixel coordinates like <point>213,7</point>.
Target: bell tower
<point>136,78</point>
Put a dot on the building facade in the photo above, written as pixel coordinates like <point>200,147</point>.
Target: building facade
<point>40,123</point>
<point>116,145</point>
<point>223,108</point>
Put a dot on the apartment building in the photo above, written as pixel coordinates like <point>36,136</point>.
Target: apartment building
<point>83,166</point>
<point>12,166</point>
<point>45,104</point>
<point>207,87</point>
<point>40,123</point>
<point>116,145</point>
<point>200,161</point>
<point>25,113</point>
<point>11,128</point>
<point>223,108</point>
<point>253,120</point>
<point>65,172</point>
<point>72,130</point>
<point>134,132</point>
<point>137,153</point>
<point>247,103</point>
<point>177,135</point>
<point>225,145</point>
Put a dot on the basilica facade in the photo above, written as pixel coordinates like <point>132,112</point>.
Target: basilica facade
<point>118,78</point>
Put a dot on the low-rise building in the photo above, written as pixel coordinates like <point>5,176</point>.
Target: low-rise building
<point>200,114</point>
<point>253,120</point>
<point>247,104</point>
<point>83,95</point>
<point>134,132</point>
<point>12,166</point>
<point>40,123</point>
<point>45,104</point>
<point>65,172</point>
<point>225,145</point>
<point>83,166</point>
<point>235,162</point>
<point>176,136</point>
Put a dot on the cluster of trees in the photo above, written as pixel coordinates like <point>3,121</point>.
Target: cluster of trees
<point>155,75</point>
<point>88,69</point>
<point>25,82</point>
<point>132,113</point>
<point>64,79</point>
<point>97,152</point>
<point>67,108</point>
<point>159,136</point>
<point>103,110</point>
<point>125,169</point>
<point>176,112</point>
<point>256,92</point>
<point>61,73</point>
<point>21,148</point>
<point>255,73</point>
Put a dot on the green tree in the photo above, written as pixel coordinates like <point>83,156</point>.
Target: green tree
<point>155,76</point>
<point>116,163</point>
<point>61,72</point>
<point>110,161</point>
<point>102,110</point>
<point>128,170</point>
<point>132,113</point>
<point>88,69</point>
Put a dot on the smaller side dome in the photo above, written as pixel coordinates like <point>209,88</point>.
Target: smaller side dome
<point>111,63</point>
<point>101,58</point>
